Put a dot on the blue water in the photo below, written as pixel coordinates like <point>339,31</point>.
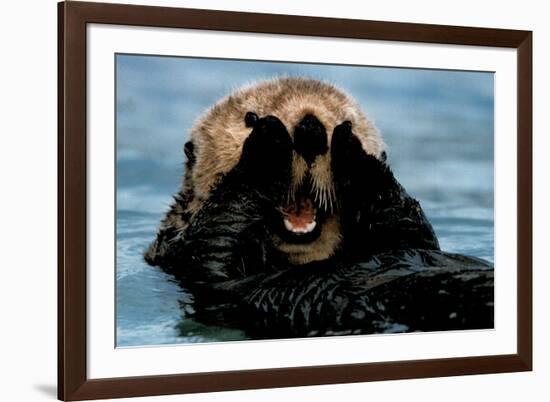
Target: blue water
<point>438,126</point>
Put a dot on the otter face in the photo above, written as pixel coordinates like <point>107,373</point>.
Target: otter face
<point>308,225</point>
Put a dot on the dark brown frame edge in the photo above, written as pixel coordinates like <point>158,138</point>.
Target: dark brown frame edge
<point>73,383</point>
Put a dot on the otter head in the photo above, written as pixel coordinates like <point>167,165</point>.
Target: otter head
<point>309,224</point>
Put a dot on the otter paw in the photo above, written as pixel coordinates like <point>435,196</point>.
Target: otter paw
<point>267,152</point>
<point>351,165</point>
<point>347,154</point>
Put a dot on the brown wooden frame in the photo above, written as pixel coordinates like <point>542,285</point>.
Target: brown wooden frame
<point>73,383</point>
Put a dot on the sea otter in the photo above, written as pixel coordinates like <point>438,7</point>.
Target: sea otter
<point>289,222</point>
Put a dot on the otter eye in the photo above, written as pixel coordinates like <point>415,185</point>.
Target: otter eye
<point>250,119</point>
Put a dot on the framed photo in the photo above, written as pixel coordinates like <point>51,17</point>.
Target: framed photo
<point>253,200</point>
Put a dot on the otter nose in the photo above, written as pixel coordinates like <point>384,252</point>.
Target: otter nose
<point>310,138</point>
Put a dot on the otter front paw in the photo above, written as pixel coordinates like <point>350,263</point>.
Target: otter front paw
<point>267,153</point>
<point>362,181</point>
<point>377,214</point>
<point>347,155</point>
<point>354,170</point>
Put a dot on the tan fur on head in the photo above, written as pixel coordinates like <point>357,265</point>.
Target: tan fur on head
<point>219,135</point>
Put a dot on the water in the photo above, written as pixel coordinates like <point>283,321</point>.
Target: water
<point>148,300</point>
<point>438,126</point>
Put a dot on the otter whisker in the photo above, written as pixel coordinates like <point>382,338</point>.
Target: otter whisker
<point>318,196</point>
<point>332,198</point>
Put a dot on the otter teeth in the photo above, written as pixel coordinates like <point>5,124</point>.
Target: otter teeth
<point>305,229</point>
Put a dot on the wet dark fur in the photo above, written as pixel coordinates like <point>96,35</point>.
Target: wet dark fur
<point>388,275</point>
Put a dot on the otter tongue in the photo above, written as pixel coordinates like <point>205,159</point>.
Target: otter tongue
<point>300,213</point>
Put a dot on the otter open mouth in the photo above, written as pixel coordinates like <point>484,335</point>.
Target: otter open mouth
<point>301,219</point>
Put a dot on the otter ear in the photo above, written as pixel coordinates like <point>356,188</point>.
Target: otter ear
<point>189,150</point>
